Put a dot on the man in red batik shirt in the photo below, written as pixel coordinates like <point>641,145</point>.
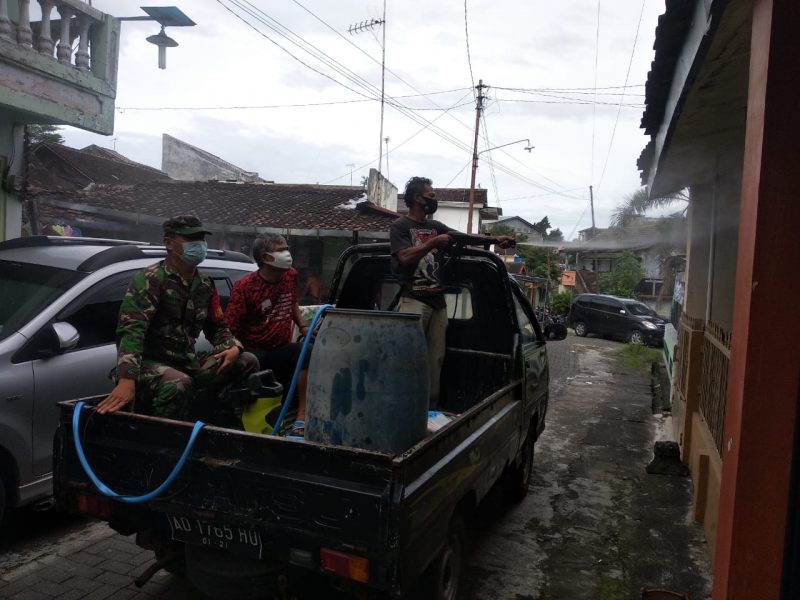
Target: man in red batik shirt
<point>262,312</point>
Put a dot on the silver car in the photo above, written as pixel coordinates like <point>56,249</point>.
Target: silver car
<point>59,300</point>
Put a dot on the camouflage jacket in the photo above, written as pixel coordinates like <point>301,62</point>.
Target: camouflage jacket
<point>161,317</point>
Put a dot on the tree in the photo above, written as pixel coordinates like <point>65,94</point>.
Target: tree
<point>364,181</point>
<point>542,226</point>
<point>44,133</point>
<point>540,262</point>
<point>624,278</point>
<point>639,202</point>
<point>496,230</point>
<point>555,236</point>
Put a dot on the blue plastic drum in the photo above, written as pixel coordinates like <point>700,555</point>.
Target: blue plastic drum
<point>368,381</point>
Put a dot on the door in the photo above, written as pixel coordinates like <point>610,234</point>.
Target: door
<point>534,356</point>
<point>82,371</point>
<point>617,318</point>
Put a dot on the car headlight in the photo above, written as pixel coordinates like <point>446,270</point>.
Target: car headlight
<point>650,325</point>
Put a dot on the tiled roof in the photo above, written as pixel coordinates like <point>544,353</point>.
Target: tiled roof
<point>58,167</point>
<point>286,206</point>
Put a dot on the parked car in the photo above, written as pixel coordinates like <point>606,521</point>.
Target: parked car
<point>612,316</point>
<point>58,315</point>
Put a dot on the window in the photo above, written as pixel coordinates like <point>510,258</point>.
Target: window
<point>526,328</point>
<point>27,289</point>
<point>459,304</point>
<point>94,314</point>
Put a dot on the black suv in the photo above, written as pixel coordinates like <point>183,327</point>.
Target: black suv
<point>623,318</point>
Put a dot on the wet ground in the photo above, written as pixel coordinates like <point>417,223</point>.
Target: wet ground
<point>594,525</point>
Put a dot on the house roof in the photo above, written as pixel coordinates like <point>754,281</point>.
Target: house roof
<point>285,206</point>
<point>59,167</point>
<point>637,237</point>
<point>504,219</point>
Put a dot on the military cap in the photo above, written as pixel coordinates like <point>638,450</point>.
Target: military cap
<point>184,225</point>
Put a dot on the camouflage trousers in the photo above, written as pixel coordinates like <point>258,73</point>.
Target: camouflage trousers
<point>165,391</point>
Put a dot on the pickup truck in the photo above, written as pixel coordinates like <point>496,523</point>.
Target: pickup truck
<point>246,509</point>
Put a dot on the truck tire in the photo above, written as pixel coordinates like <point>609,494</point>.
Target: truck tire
<point>443,576</point>
<point>517,478</point>
<point>223,576</point>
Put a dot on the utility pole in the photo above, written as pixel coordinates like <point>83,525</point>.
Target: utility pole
<point>478,108</point>
<point>591,203</point>
<point>352,166</point>
<point>383,87</point>
<point>386,139</point>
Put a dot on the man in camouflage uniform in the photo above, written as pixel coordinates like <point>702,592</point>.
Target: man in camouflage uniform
<point>166,307</point>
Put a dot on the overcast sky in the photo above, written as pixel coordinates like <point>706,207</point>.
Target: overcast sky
<point>538,57</point>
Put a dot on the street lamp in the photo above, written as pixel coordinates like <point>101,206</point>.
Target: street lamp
<point>166,16</point>
<point>475,168</point>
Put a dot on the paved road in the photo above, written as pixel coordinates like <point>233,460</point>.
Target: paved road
<point>593,525</point>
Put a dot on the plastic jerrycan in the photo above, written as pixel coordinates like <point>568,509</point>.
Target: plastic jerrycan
<point>268,396</point>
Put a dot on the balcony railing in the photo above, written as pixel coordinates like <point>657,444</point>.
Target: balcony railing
<point>51,36</point>
<point>74,46</point>
<point>714,380</point>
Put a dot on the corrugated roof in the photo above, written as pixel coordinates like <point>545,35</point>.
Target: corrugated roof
<point>289,206</point>
<point>59,167</point>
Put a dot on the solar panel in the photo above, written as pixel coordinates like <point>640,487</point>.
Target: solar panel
<point>168,16</point>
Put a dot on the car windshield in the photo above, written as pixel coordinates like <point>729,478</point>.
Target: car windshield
<point>26,289</point>
<point>639,309</point>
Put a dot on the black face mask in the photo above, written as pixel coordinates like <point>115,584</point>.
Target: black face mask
<point>431,204</point>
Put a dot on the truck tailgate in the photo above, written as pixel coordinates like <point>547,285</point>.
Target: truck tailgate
<point>286,489</point>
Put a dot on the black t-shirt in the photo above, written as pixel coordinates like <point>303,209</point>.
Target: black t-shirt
<point>422,280</point>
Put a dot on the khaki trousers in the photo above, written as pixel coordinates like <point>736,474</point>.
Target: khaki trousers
<point>434,324</point>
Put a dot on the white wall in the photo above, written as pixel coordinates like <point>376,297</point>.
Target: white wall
<point>454,214</point>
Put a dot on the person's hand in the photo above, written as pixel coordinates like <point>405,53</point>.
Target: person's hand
<point>121,396</point>
<point>506,241</point>
<point>227,357</point>
<point>443,240</point>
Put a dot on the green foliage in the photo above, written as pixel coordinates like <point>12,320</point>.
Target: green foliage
<point>624,278</point>
<point>637,356</point>
<point>639,202</point>
<point>44,133</point>
<point>561,301</point>
<point>540,262</point>
<point>506,230</point>
<point>555,236</point>
<point>542,226</point>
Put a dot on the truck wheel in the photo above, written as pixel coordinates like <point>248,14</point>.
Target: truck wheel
<point>444,574</point>
<point>580,329</point>
<point>518,477</point>
<point>224,576</point>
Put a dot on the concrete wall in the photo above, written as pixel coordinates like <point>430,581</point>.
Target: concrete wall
<point>455,214</point>
<point>185,162</point>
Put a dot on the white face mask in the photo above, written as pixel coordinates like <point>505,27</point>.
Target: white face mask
<point>281,260</point>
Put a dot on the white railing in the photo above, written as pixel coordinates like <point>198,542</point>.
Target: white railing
<point>54,37</point>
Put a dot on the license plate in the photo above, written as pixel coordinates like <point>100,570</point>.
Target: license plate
<point>238,540</point>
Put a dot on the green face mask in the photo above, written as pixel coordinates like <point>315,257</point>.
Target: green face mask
<point>194,252</point>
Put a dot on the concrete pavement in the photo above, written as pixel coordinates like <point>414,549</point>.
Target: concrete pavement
<point>594,526</point>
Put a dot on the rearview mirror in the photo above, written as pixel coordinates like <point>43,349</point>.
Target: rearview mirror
<point>555,332</point>
<point>66,335</point>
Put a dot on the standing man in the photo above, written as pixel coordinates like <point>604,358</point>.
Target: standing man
<point>416,243</point>
<point>166,307</point>
<point>262,312</point>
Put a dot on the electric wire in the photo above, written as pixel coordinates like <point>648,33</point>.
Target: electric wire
<point>466,36</point>
<point>622,97</point>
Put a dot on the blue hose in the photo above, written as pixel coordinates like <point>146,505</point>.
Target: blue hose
<point>303,351</point>
<point>76,419</point>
